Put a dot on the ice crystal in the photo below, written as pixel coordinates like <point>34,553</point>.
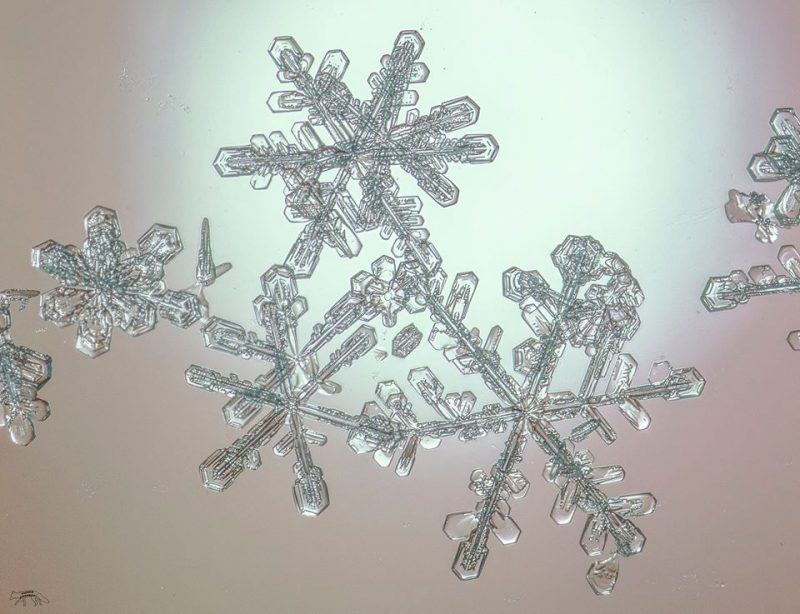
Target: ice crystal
<point>286,388</point>
<point>729,291</point>
<point>105,283</point>
<point>367,139</point>
<point>406,341</point>
<point>596,310</point>
<point>23,372</point>
<point>780,161</point>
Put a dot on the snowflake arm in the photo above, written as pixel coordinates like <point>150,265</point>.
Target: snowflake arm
<point>105,283</point>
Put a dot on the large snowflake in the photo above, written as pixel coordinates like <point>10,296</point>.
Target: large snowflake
<point>595,310</point>
<point>367,137</point>
<point>23,372</point>
<point>106,283</point>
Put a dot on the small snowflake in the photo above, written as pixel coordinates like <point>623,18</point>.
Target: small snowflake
<point>105,283</point>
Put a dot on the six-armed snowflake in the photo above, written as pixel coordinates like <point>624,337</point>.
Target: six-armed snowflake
<point>107,283</point>
<point>595,310</point>
<point>367,140</point>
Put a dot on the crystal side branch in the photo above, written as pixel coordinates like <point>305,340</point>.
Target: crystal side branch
<point>105,283</point>
<point>368,140</point>
<point>598,317</point>
<point>780,161</point>
<point>737,288</point>
<point>596,310</point>
<point>23,372</point>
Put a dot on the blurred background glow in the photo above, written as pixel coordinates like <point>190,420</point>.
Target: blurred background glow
<point>625,120</point>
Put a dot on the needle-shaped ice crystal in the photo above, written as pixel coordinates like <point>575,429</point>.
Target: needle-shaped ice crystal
<point>366,140</point>
<point>23,372</point>
<point>106,283</point>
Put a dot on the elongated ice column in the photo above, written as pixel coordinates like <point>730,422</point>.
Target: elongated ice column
<point>363,141</point>
<point>105,283</point>
<point>23,372</point>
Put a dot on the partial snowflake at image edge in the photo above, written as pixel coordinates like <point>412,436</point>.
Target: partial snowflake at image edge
<point>368,140</point>
<point>598,317</point>
<point>105,283</point>
<point>23,372</point>
<point>780,161</point>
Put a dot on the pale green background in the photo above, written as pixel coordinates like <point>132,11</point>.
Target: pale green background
<point>626,120</point>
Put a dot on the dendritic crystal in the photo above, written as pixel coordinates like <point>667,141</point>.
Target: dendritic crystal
<point>406,341</point>
<point>105,283</point>
<point>367,139</point>
<point>595,310</point>
<point>780,161</point>
<point>730,291</point>
<point>23,372</point>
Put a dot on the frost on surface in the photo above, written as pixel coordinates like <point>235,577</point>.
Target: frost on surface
<point>780,161</point>
<point>23,372</point>
<point>594,310</point>
<point>366,140</point>
<point>105,283</point>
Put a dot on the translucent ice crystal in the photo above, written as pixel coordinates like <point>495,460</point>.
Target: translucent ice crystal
<point>736,288</point>
<point>595,310</point>
<point>780,161</point>
<point>105,283</point>
<point>367,139</point>
<point>23,372</point>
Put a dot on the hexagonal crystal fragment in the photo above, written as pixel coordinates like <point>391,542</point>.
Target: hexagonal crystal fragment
<point>162,242</point>
<point>602,575</point>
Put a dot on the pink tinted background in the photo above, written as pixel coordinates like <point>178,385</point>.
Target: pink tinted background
<point>626,120</point>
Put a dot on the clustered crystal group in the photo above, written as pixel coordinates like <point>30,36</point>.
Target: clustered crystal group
<point>780,161</point>
<point>339,183</point>
<point>342,186</point>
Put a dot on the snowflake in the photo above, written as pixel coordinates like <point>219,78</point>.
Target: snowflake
<point>368,139</point>
<point>23,372</point>
<point>106,283</point>
<point>595,310</point>
<point>286,388</point>
<point>780,161</point>
<point>729,291</point>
